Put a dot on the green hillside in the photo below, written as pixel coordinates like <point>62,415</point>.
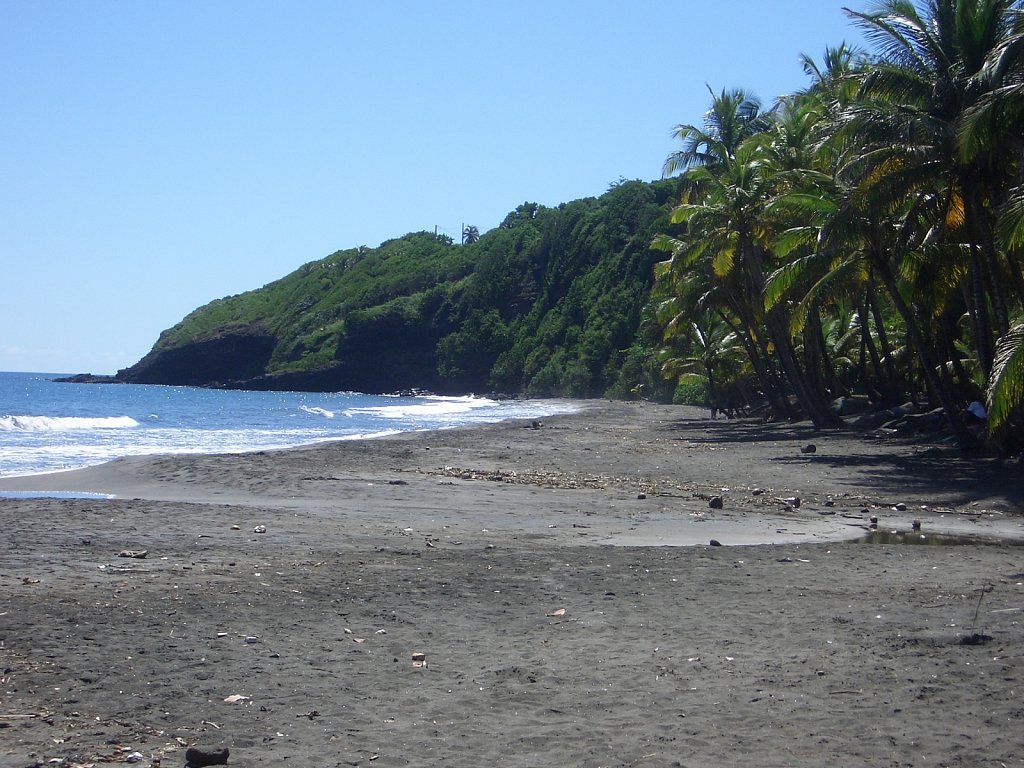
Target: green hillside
<point>549,303</point>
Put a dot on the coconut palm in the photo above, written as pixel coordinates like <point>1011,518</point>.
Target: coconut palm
<point>726,187</point>
<point>932,155</point>
<point>927,141</point>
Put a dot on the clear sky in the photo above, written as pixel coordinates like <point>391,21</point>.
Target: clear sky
<point>156,155</point>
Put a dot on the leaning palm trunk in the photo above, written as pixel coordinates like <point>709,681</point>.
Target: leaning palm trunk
<point>766,375</point>
<point>812,401</point>
<point>892,376</point>
<point>929,365</point>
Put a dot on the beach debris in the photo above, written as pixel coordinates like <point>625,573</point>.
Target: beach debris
<point>557,612</point>
<point>900,507</point>
<point>313,714</point>
<point>138,554</point>
<point>234,698</point>
<point>236,527</point>
<point>715,502</point>
<point>134,757</point>
<point>419,660</point>
<point>791,501</point>
<point>250,639</point>
<point>809,448</point>
<point>714,543</point>
<point>196,757</point>
<point>260,529</point>
<point>975,638</point>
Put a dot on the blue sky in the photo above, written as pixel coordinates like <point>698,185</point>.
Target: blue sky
<point>157,155</point>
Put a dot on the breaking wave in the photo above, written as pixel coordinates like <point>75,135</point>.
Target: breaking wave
<point>433,407</point>
<point>315,411</point>
<point>63,423</point>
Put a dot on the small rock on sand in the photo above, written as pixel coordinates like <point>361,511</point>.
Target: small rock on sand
<point>199,758</point>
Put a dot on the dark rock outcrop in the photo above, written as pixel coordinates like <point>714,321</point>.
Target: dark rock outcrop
<point>89,378</point>
<point>239,353</point>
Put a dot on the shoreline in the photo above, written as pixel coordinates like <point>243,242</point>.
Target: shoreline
<point>603,456</point>
<point>501,595</point>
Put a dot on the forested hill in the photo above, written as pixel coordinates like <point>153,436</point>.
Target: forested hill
<point>550,303</point>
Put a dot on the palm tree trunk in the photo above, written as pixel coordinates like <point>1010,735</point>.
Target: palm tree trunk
<point>770,384</point>
<point>929,366</point>
<point>880,392</point>
<point>811,401</point>
<point>892,376</point>
<point>978,308</point>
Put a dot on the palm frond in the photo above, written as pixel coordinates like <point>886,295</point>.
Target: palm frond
<point>1010,226</point>
<point>1005,392</point>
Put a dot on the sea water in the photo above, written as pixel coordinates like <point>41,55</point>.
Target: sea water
<point>47,426</point>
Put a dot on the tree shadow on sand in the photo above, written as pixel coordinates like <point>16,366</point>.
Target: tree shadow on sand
<point>917,465</point>
<point>749,431</point>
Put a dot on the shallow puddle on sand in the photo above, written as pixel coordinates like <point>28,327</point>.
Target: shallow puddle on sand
<point>934,539</point>
<point>54,495</point>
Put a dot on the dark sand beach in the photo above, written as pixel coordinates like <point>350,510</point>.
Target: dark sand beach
<point>517,596</point>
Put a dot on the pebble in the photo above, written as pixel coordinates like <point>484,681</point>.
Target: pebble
<point>198,758</point>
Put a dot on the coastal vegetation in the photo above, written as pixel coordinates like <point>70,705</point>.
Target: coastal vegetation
<point>548,303</point>
<point>863,236</point>
<point>858,239</point>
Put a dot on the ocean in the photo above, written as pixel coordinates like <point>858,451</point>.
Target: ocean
<point>46,426</point>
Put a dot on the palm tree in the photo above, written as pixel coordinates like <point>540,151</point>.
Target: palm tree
<point>929,158</point>
<point>712,354</point>
<point>734,116</point>
<point>734,164</point>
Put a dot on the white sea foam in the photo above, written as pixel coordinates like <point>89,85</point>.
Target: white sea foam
<point>63,423</point>
<point>315,411</point>
<point>89,424</point>
<point>433,408</point>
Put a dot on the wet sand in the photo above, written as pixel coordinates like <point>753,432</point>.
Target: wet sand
<point>531,568</point>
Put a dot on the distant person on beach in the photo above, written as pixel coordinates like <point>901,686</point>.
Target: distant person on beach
<point>976,418</point>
